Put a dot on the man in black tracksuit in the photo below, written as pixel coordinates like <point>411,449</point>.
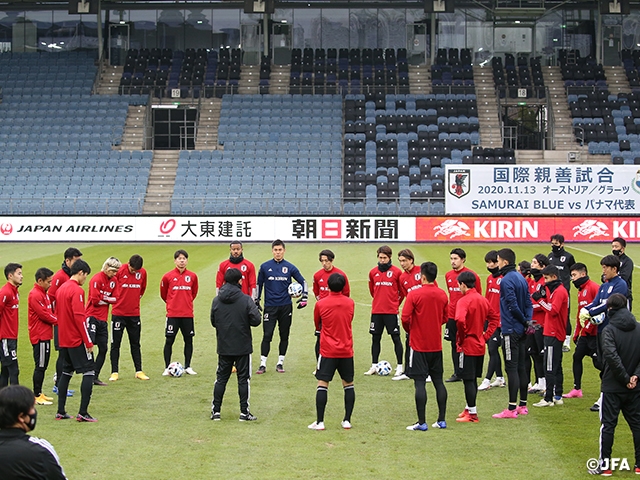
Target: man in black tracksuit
<point>618,247</point>
<point>563,260</point>
<point>22,455</point>
<point>233,313</point>
<point>620,386</point>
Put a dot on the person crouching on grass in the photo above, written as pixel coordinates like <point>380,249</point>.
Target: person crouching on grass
<point>335,311</point>
<point>472,311</point>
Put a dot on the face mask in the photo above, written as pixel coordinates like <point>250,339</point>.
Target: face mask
<point>617,253</point>
<point>32,420</point>
<point>555,248</point>
<point>493,270</point>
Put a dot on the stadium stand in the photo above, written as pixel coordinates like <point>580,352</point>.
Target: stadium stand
<point>291,165</point>
<point>518,77</point>
<point>56,139</point>
<point>452,72</point>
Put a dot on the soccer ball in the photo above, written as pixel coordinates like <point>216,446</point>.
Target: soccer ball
<point>175,369</point>
<point>383,368</point>
<point>295,290</point>
<point>598,319</point>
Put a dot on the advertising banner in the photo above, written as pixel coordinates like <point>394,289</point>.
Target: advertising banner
<point>542,189</point>
<point>525,229</point>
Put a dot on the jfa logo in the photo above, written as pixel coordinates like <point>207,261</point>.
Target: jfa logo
<point>389,274</point>
<point>243,268</point>
<point>187,278</point>
<point>285,269</point>
<point>608,464</point>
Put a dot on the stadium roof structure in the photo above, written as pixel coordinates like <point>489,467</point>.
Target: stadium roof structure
<point>505,7</point>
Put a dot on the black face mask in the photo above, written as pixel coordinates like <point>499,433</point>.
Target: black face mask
<point>581,281</point>
<point>32,420</point>
<point>236,260</point>
<point>383,267</point>
<point>493,270</point>
<point>556,248</point>
<point>617,253</point>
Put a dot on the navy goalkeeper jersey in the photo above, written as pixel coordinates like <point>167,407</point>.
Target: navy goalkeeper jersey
<point>275,278</point>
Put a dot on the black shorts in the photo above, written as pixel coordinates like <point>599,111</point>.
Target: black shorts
<point>590,345</point>
<point>470,366</point>
<point>184,324</point>
<point>327,368</point>
<point>56,345</point>
<point>381,320</point>
<point>8,352</point>
<point>78,359</point>
<point>425,364</point>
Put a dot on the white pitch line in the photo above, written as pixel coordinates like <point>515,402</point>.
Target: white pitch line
<point>596,254</point>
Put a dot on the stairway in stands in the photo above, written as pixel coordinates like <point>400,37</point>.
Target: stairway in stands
<point>207,131</point>
<point>109,79</point>
<point>490,131</point>
<point>279,80</point>
<point>563,137</point>
<point>249,79</point>
<point>162,178</point>
<point>419,79</point>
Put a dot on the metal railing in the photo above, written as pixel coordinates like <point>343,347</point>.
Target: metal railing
<point>306,206</point>
<point>71,206</point>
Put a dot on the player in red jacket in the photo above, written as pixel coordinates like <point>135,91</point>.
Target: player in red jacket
<point>425,311</point>
<point>102,291</point>
<point>457,257</point>
<point>41,322</point>
<point>584,337</point>
<point>335,312</point>
<point>385,289</point>
<point>534,342</point>
<point>321,284</point>
<point>178,289</point>
<point>554,299</point>
<point>9,302</point>
<point>492,294</point>
<point>248,270</point>
<point>131,283</point>
<point>473,312</point>
<point>71,254</point>
<point>76,347</point>
<point>409,280</point>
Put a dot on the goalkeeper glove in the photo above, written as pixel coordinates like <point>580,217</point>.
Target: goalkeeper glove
<point>584,316</point>
<point>303,301</point>
<point>529,329</point>
<point>540,293</point>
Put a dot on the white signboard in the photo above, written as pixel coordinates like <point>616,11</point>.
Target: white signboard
<point>542,189</point>
<point>206,229</point>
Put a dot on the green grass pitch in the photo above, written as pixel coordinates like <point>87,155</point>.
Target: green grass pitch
<point>161,429</point>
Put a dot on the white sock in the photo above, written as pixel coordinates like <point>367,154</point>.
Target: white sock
<point>473,410</point>
<point>373,365</point>
<point>399,368</point>
<point>263,361</point>
<point>567,339</point>
<point>542,382</point>
<point>280,359</point>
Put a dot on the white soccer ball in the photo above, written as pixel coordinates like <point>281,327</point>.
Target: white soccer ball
<point>295,290</point>
<point>598,319</point>
<point>175,369</point>
<point>383,368</point>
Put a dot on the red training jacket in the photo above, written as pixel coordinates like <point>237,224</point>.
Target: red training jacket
<point>321,285</point>
<point>72,316</point>
<point>472,311</point>
<point>248,271</point>
<point>454,290</point>
<point>59,278</point>
<point>130,288</point>
<point>539,313</point>
<point>179,290</point>
<point>410,280</point>
<point>556,305</point>
<point>492,292</point>
<point>423,314</point>
<point>101,295</point>
<point>9,303</point>
<point>586,293</point>
<point>334,313</point>
<point>41,317</point>
<point>385,289</point>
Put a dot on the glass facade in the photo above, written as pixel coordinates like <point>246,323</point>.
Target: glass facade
<point>181,28</point>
